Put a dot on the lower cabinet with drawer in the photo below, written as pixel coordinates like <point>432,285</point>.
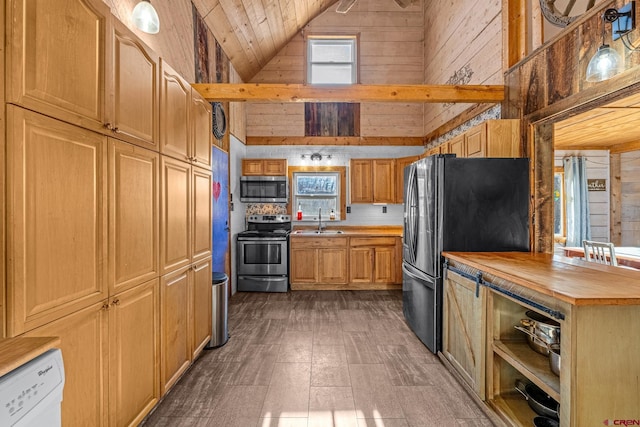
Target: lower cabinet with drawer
<point>319,263</point>
<point>326,263</point>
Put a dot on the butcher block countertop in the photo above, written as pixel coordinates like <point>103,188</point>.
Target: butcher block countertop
<point>359,231</point>
<point>15,352</point>
<point>571,280</point>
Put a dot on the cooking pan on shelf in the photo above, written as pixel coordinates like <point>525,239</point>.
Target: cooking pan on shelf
<point>545,422</point>
<point>538,400</point>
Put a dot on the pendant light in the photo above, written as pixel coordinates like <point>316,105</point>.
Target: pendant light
<point>145,17</point>
<point>607,62</point>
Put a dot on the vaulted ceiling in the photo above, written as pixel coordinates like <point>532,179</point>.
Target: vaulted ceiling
<point>252,32</point>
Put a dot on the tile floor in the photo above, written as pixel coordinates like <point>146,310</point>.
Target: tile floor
<point>318,359</point>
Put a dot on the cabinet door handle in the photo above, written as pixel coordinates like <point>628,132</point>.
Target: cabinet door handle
<point>116,302</point>
<point>108,126</point>
<point>194,159</point>
<point>105,306</point>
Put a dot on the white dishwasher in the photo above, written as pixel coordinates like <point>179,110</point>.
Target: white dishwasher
<point>31,394</point>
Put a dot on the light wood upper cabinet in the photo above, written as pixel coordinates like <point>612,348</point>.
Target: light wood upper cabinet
<point>457,146</point>
<point>84,343</point>
<point>464,329</point>
<point>175,214</point>
<point>373,181</point>
<point>264,167</point>
<point>401,163</point>
<point>361,183</point>
<point>175,327</point>
<point>201,129</point>
<point>56,59</point>
<point>492,138</point>
<point>134,113</point>
<point>175,107</point>
<point>57,219</point>
<point>134,212</point>
<point>201,309</point>
<point>134,354</point>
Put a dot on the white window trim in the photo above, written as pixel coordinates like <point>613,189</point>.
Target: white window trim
<point>355,62</point>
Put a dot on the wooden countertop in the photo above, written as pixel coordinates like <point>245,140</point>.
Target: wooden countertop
<point>571,280</point>
<point>15,352</point>
<point>360,231</point>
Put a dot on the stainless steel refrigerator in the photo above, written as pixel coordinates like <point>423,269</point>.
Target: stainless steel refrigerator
<point>456,204</point>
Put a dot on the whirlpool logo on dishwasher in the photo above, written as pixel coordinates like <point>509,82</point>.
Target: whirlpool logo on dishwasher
<point>621,422</point>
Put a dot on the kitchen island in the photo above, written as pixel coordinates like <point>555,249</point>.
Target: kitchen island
<point>597,308</point>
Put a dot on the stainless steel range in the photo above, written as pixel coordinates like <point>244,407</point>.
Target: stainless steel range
<point>263,254</point>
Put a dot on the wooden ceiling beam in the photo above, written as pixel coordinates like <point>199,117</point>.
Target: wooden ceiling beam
<point>265,92</point>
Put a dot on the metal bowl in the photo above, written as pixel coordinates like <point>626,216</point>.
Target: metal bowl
<point>541,331</point>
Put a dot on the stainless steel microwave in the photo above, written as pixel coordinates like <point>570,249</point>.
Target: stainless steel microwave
<point>264,189</point>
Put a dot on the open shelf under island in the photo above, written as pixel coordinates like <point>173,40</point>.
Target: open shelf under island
<point>597,307</point>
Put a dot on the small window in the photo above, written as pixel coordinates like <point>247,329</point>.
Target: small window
<point>315,191</point>
<point>331,60</point>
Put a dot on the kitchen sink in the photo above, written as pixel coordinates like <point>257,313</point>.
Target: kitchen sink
<point>316,232</point>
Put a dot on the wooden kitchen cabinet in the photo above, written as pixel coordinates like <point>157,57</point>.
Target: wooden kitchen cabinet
<point>57,219</point>
<point>401,163</point>
<point>464,330</point>
<point>492,138</point>
<point>134,113</point>
<point>201,306</point>
<point>175,330</point>
<point>201,122</point>
<point>201,227</point>
<point>134,215</point>
<point>84,343</point>
<point>373,181</point>
<point>57,59</point>
<point>175,108</point>
<point>175,214</point>
<point>319,263</point>
<point>264,167</point>
<point>134,354</point>
<point>372,260</point>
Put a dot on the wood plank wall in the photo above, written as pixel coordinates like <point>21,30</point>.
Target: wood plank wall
<point>463,43</point>
<point>391,51</point>
<point>174,42</point>
<point>549,86</point>
<point>630,199</point>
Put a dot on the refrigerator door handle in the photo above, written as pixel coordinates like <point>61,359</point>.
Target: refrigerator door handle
<point>407,270</point>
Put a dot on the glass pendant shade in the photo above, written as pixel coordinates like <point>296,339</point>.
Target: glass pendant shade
<point>605,64</point>
<point>145,17</point>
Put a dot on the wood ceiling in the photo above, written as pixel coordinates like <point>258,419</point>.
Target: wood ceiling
<point>252,32</point>
<point>611,127</point>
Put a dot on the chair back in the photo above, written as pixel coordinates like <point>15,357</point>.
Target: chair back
<point>602,253</point>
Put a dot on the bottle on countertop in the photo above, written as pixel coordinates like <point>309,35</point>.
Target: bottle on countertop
<point>332,215</point>
<point>299,212</point>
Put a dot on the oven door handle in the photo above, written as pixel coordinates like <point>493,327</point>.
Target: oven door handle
<point>263,279</point>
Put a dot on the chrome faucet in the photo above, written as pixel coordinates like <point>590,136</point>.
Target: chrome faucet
<point>319,219</point>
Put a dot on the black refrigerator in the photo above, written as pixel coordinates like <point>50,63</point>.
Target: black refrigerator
<point>456,204</point>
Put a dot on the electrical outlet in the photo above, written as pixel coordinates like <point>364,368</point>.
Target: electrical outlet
<point>384,209</point>
<point>348,209</point>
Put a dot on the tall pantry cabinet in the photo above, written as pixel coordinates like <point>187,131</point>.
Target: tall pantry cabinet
<point>91,236</point>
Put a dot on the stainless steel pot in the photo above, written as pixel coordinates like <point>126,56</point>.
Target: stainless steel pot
<point>538,400</point>
<point>554,358</point>
<point>541,331</point>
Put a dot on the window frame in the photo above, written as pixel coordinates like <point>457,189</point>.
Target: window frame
<point>562,237</point>
<point>342,196</point>
<point>334,36</point>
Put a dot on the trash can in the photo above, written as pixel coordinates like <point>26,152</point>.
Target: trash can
<point>219,310</point>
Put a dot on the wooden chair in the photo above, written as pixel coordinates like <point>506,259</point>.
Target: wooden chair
<point>602,253</point>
